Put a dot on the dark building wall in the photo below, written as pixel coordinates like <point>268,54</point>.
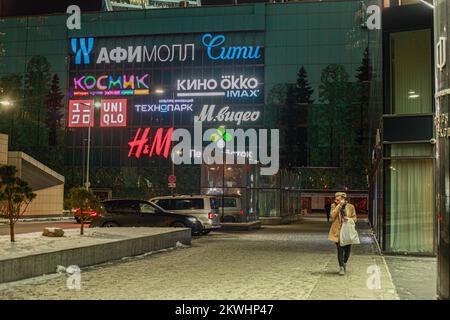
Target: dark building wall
<point>325,38</point>
<point>12,8</point>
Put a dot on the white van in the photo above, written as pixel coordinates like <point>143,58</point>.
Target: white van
<point>204,208</point>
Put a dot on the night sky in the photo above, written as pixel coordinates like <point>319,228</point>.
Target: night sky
<point>36,7</point>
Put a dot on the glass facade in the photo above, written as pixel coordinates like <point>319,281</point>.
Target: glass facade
<point>403,154</point>
<point>312,74</point>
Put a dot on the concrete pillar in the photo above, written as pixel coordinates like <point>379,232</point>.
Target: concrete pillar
<point>442,174</point>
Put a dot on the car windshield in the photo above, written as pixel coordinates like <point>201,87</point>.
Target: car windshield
<point>146,208</point>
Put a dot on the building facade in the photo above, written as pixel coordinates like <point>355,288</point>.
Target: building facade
<point>307,64</point>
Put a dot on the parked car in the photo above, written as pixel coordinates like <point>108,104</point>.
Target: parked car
<point>204,208</point>
<point>141,213</point>
<point>88,215</point>
<point>230,209</point>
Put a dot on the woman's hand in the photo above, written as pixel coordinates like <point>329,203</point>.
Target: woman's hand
<point>346,219</point>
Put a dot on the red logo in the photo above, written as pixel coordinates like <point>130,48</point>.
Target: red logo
<point>113,113</point>
<point>81,113</point>
<point>140,145</point>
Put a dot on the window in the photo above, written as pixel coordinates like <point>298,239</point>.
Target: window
<point>213,203</point>
<point>122,207</point>
<point>188,204</point>
<point>229,202</point>
<point>411,74</point>
<point>409,199</point>
<point>147,208</point>
<point>165,204</point>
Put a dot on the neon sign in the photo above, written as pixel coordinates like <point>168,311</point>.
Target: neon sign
<point>167,105</point>
<point>234,146</point>
<point>140,144</point>
<point>226,115</point>
<point>84,48</point>
<point>113,113</point>
<point>81,114</point>
<point>229,86</point>
<point>228,53</point>
<point>109,85</point>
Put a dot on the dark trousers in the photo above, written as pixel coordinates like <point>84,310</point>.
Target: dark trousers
<point>343,253</point>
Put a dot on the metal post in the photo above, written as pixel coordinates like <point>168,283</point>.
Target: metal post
<point>88,156</point>
<point>173,123</point>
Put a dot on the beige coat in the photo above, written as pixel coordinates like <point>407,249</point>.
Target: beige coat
<point>335,229</point>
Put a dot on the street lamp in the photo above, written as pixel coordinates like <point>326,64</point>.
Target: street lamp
<point>6,103</point>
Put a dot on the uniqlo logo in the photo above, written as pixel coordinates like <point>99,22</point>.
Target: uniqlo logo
<point>113,113</point>
<point>81,113</point>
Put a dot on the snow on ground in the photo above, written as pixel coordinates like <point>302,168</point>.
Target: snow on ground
<point>35,243</point>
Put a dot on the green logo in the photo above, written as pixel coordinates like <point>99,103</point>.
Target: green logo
<point>221,137</point>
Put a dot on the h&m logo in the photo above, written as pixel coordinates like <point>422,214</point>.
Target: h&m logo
<point>82,47</point>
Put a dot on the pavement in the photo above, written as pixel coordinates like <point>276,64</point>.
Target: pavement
<point>414,277</point>
<point>276,262</point>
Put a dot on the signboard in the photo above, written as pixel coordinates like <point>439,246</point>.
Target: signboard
<point>113,113</point>
<point>81,114</point>
<point>172,181</point>
<point>164,82</point>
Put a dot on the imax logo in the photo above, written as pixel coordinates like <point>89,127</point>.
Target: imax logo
<point>82,47</point>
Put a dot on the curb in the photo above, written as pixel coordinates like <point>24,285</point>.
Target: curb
<point>40,219</point>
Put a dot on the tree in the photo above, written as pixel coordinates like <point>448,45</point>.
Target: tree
<point>335,123</point>
<point>54,110</point>
<point>84,200</point>
<point>294,119</point>
<point>304,90</point>
<point>15,196</point>
<point>37,80</point>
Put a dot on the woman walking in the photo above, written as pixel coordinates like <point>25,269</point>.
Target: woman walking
<point>341,211</point>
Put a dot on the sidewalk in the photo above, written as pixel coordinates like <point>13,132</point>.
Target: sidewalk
<point>293,261</point>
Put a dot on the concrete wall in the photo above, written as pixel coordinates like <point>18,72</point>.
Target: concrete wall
<point>47,184</point>
<point>3,149</point>
<point>48,201</point>
<point>27,266</point>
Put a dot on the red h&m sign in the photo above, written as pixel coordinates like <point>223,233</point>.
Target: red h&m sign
<point>142,144</point>
<point>113,113</point>
<point>81,113</point>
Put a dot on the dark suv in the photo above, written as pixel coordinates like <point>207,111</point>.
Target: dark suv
<point>141,213</point>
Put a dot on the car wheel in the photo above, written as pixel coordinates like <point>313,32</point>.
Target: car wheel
<point>178,225</point>
<point>206,231</point>
<point>78,220</point>
<point>110,224</point>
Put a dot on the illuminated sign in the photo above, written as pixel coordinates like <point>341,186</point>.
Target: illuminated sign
<point>81,113</point>
<point>113,113</point>
<point>162,53</point>
<point>216,52</point>
<point>82,47</point>
<point>140,145</point>
<point>229,86</point>
<point>111,85</point>
<point>226,115</point>
<point>237,145</point>
<point>166,105</point>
